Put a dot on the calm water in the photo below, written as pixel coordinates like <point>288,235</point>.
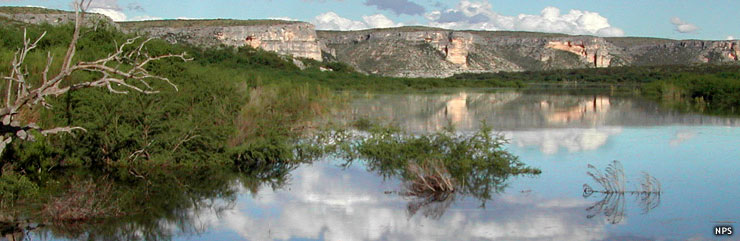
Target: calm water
<point>697,159</point>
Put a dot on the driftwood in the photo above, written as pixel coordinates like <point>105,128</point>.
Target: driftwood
<point>120,72</point>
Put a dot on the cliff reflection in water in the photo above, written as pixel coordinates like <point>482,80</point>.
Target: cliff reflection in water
<point>550,122</point>
<point>514,110</point>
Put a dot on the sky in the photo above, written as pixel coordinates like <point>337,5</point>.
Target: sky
<point>675,19</point>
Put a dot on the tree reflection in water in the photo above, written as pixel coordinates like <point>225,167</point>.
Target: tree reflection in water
<point>613,192</point>
<point>161,205</point>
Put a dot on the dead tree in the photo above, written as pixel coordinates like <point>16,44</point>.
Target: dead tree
<point>120,72</point>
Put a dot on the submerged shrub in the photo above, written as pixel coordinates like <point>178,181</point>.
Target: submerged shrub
<point>469,163</point>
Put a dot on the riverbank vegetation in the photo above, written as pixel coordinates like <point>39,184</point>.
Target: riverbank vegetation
<point>710,89</point>
<point>234,115</point>
<point>243,115</point>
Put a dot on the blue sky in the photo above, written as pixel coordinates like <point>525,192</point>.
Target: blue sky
<point>676,19</point>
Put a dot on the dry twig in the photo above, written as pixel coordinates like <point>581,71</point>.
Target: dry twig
<point>120,72</point>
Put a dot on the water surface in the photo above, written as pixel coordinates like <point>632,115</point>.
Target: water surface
<point>696,158</point>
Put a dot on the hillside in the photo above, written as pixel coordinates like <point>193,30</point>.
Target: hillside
<point>417,51</point>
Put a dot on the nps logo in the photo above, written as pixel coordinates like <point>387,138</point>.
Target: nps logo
<point>723,230</point>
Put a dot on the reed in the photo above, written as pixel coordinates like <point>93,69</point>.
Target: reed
<point>428,179</point>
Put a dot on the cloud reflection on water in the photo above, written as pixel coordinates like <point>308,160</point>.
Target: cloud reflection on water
<point>550,141</point>
<point>329,203</point>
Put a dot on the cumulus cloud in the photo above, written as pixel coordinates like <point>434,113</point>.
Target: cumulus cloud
<point>379,21</point>
<point>144,18</point>
<point>554,140</point>
<point>113,10</point>
<point>105,4</point>
<point>332,21</point>
<point>397,6</point>
<point>114,14</point>
<point>480,15</point>
<point>283,18</point>
<point>730,37</point>
<point>683,27</point>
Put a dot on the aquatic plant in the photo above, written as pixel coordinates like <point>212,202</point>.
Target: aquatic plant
<point>611,180</point>
<point>428,178</point>
<point>612,201</point>
<point>431,187</point>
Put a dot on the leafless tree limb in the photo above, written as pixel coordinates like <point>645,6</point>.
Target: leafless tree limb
<point>121,71</point>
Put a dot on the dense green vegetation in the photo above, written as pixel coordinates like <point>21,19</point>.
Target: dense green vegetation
<point>29,10</point>
<point>245,115</point>
<point>236,112</point>
<point>223,108</point>
<point>712,89</point>
<point>183,23</point>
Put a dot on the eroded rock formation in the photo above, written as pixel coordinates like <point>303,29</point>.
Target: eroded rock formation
<point>419,51</point>
<point>589,51</point>
<point>297,39</point>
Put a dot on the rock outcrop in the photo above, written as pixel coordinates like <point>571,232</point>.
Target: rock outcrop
<point>588,52</point>
<point>430,52</point>
<point>34,15</point>
<point>418,51</point>
<point>297,39</point>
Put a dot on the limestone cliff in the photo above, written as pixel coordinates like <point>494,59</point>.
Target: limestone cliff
<point>418,51</point>
<point>285,37</point>
<point>430,52</point>
<point>34,15</point>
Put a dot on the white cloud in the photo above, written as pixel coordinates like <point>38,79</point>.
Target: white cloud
<point>572,139</point>
<point>283,18</point>
<point>683,27</point>
<point>144,18</point>
<point>187,18</point>
<point>332,21</point>
<point>116,15</point>
<point>480,15</point>
<point>730,37</point>
<point>379,21</point>
<point>682,136</point>
<point>105,4</point>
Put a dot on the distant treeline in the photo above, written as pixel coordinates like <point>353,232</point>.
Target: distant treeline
<point>639,74</point>
<point>712,89</point>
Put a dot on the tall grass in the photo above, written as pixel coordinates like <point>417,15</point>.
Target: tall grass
<point>282,110</point>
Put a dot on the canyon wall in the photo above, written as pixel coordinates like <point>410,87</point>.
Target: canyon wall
<point>297,39</point>
<point>417,51</point>
<point>429,52</point>
<point>33,15</point>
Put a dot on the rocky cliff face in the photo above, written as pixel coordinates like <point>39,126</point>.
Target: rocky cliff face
<point>418,51</point>
<point>33,15</point>
<point>290,38</point>
<point>427,52</point>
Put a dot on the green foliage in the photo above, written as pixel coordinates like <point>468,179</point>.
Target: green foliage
<point>183,23</point>
<point>639,74</point>
<point>14,186</point>
<point>477,162</point>
<point>29,10</point>
<point>714,93</point>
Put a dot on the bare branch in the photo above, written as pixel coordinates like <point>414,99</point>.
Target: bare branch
<point>122,71</point>
<point>67,129</point>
